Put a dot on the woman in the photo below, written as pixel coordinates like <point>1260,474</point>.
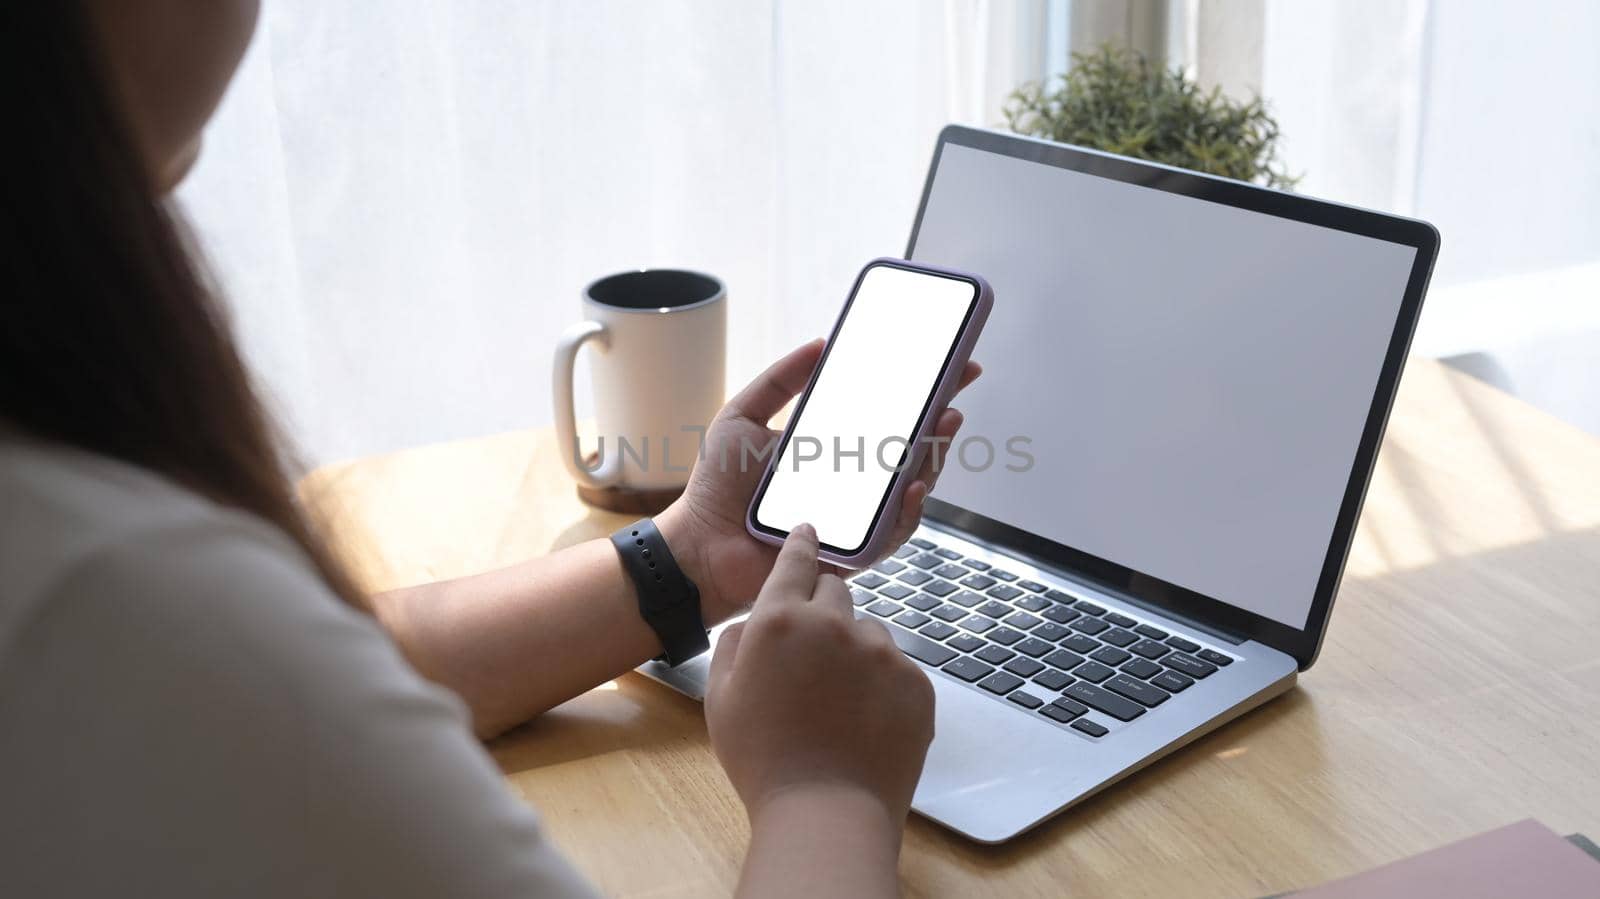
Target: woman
<point>194,700</point>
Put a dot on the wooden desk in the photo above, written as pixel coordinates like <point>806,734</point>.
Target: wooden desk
<point>1458,689</point>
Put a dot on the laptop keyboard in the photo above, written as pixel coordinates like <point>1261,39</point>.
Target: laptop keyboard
<point>1039,649</point>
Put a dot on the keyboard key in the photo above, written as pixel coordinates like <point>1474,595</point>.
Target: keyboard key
<point>1025,699</point>
<point>975,564</point>
<point>1050,631</point>
<point>950,613</point>
<point>936,630</point>
<point>897,591</point>
<point>870,580</point>
<point>922,602</point>
<point>1057,713</point>
<point>977,623</point>
<point>967,599</point>
<point>1022,621</point>
<point>1069,706</point>
<point>1151,631</point>
<point>1060,597</point>
<point>1033,603</point>
<point>978,581</point>
<point>914,577</point>
<point>1000,683</point>
<point>1182,645</point>
<point>994,609</point>
<point>939,588</point>
<point>925,560</point>
<point>968,669</point>
<point>1005,635</point>
<point>1089,608</point>
<point>884,608</point>
<point>1033,647</point>
<point>1080,644</point>
<point>1084,725</point>
<point>994,655</point>
<point>1215,658</point>
<point>920,543</point>
<point>1100,700</point>
<point>1139,668</point>
<point>921,648</point>
<point>1137,690</point>
<point>912,620</point>
<point>905,551</point>
<point>1172,681</point>
<point>1089,625</point>
<point>1062,614</point>
<point>1150,649</point>
<point>1118,637</point>
<point>945,553</point>
<point>965,643</point>
<point>889,566</point>
<point>1105,655</point>
<point>1190,666</point>
<point>1022,666</point>
<point>1004,591</point>
<point>1000,574</point>
<point>1119,619</point>
<point>1092,671</point>
<point>1064,660</point>
<point>953,572</point>
<point>1051,679</point>
<point>860,597</point>
<point>1035,586</point>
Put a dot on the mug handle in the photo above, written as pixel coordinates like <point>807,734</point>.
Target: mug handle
<point>567,345</point>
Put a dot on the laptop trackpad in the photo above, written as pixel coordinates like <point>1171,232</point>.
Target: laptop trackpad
<point>688,678</point>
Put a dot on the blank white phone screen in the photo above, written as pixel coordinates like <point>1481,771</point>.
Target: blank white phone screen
<point>880,372</point>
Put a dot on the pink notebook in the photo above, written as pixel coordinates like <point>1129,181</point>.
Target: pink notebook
<point>1521,859</point>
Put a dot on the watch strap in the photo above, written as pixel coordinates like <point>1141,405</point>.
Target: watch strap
<point>668,601</point>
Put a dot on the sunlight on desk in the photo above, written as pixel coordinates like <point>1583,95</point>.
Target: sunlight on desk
<point>1520,491</point>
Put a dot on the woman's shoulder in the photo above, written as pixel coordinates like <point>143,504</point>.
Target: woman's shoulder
<point>64,511</point>
<point>99,555</point>
<point>97,550</point>
<point>185,686</point>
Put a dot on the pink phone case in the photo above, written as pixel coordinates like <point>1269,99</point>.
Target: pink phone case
<point>882,531</point>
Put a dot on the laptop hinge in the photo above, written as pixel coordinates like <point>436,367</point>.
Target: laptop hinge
<point>1229,636</point>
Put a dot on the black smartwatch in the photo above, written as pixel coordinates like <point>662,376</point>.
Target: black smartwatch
<point>668,601</point>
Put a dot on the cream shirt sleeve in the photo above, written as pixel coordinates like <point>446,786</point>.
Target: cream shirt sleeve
<point>190,712</point>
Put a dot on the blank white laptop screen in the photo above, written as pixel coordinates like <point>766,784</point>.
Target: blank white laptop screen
<point>1194,378</point>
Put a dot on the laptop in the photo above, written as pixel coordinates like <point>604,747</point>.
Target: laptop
<point>1186,382</point>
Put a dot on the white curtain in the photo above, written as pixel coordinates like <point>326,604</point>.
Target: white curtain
<point>403,200</point>
<point>1482,117</point>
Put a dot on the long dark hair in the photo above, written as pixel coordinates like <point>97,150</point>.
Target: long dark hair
<point>111,338</point>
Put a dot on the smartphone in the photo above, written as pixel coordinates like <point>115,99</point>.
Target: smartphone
<point>861,429</point>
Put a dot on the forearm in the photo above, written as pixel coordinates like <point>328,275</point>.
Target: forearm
<point>518,641</point>
<point>822,841</point>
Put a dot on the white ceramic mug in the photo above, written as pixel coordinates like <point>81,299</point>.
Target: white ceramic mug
<point>659,366</point>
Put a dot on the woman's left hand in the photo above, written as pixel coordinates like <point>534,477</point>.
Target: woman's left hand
<point>706,526</point>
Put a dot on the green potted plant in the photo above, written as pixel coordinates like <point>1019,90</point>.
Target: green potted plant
<point>1115,100</point>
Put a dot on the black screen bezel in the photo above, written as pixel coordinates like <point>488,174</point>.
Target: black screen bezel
<point>922,416</point>
<point>1301,643</point>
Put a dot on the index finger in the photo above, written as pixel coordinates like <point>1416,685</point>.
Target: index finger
<point>794,574</point>
<point>969,374</point>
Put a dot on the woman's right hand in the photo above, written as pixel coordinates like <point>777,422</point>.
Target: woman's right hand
<point>805,699</point>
